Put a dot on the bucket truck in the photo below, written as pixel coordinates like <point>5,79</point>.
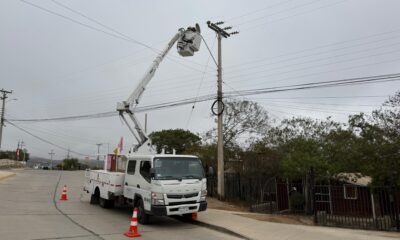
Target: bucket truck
<point>157,184</point>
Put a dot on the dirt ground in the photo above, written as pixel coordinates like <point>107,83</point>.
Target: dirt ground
<point>244,211</point>
<point>227,206</point>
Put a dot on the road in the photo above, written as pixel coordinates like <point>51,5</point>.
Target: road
<point>30,209</point>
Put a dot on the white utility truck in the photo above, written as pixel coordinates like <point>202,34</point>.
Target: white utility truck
<point>157,184</point>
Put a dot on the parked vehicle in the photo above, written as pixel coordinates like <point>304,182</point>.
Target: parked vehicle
<point>160,185</point>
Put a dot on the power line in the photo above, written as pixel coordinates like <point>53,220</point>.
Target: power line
<point>260,10</point>
<point>323,84</point>
<point>112,29</point>
<point>257,26</point>
<point>44,140</point>
<point>304,50</point>
<point>209,50</point>
<point>281,11</point>
<point>104,26</point>
<point>116,33</point>
<point>201,82</point>
<point>256,91</point>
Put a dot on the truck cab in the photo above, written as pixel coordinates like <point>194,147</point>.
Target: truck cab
<point>165,185</point>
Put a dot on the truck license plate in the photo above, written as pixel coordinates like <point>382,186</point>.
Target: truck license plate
<point>184,209</point>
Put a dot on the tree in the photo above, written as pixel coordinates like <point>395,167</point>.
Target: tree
<point>379,141</point>
<point>177,139</point>
<point>70,164</point>
<point>241,118</point>
<point>207,154</point>
<point>13,155</point>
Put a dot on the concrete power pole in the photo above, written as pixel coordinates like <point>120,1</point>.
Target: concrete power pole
<point>22,149</point>
<point>221,32</point>
<point>51,153</point>
<point>3,110</point>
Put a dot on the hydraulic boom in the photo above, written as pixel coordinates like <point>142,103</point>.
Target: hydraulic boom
<point>188,42</point>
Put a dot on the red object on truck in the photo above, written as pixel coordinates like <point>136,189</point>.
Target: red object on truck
<point>111,162</point>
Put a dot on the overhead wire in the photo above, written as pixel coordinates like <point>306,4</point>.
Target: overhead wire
<point>248,92</point>
<point>246,98</point>
<point>257,26</point>
<point>116,33</point>
<point>79,13</point>
<point>201,81</point>
<point>328,45</point>
<point>275,13</point>
<point>44,140</point>
<point>313,66</point>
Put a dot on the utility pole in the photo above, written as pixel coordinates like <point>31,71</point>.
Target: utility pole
<point>221,32</point>
<point>3,110</point>
<point>22,148</point>
<point>51,153</point>
<point>98,154</point>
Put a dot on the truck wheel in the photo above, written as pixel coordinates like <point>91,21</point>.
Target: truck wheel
<point>143,218</point>
<point>94,198</point>
<point>110,203</point>
<point>104,203</point>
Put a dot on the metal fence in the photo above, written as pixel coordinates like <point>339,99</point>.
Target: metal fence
<point>357,207</point>
<point>342,205</point>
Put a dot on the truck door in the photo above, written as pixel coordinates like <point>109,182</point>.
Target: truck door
<point>129,184</point>
<point>144,183</point>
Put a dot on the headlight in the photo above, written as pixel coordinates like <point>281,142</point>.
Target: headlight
<point>157,198</point>
<point>203,195</point>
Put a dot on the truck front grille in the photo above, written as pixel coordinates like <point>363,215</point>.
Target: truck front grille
<point>180,196</point>
<point>181,203</point>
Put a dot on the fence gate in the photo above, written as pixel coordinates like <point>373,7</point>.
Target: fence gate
<point>267,201</point>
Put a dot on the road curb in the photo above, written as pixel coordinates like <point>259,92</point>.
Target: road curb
<point>4,175</point>
<point>219,229</point>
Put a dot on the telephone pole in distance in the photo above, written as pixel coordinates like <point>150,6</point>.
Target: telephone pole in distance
<point>51,153</point>
<point>3,110</point>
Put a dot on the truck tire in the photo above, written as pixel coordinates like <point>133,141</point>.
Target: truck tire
<point>143,217</point>
<point>104,203</point>
<point>94,198</point>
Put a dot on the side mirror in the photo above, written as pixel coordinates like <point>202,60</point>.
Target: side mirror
<point>152,172</point>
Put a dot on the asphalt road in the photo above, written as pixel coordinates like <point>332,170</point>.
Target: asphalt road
<point>30,209</point>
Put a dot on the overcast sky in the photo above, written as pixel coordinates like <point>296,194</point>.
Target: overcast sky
<point>59,63</point>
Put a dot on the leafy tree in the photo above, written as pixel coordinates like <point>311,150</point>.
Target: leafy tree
<point>177,139</point>
<point>207,154</point>
<point>241,118</point>
<point>13,155</point>
<point>70,164</point>
<point>379,141</point>
<point>343,150</point>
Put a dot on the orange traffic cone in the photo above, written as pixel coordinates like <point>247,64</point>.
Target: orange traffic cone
<point>194,216</point>
<point>64,194</point>
<point>133,231</point>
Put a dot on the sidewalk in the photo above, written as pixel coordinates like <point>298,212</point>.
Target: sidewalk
<point>255,229</point>
<point>4,175</point>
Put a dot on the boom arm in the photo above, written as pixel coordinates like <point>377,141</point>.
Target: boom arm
<point>188,42</point>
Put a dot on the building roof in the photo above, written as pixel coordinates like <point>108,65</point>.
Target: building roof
<point>354,178</point>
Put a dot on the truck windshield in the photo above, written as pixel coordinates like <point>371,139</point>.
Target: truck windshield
<point>178,168</point>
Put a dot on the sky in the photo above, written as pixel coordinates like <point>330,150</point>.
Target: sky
<point>64,58</point>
